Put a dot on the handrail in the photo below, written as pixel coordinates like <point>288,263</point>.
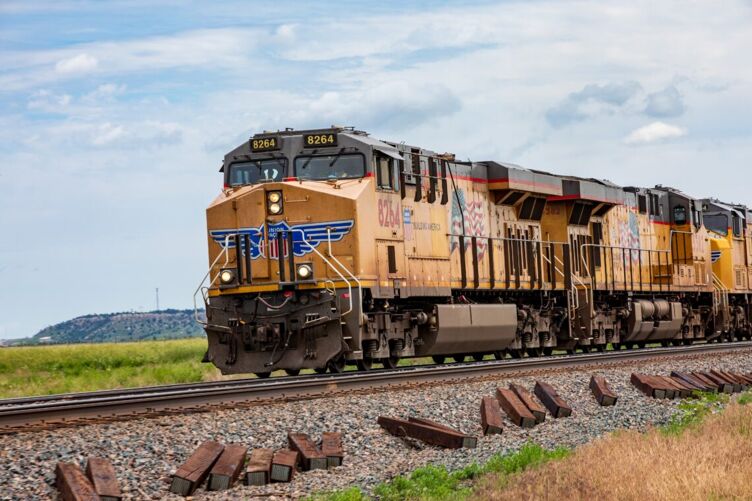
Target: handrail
<point>360,288</point>
<point>337,271</point>
<point>226,252</point>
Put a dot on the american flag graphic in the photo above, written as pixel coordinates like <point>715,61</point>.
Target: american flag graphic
<point>475,222</point>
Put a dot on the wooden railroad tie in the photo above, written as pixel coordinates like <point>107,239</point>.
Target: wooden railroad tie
<point>470,441</point>
<point>284,462</point>
<point>259,467</point>
<point>311,457</point>
<point>331,446</point>
<point>536,409</point>
<point>227,469</point>
<point>490,416</point>
<point>602,392</point>
<point>73,484</point>
<point>449,439</point>
<point>723,385</point>
<point>195,470</point>
<point>553,402</point>
<point>736,384</point>
<point>102,477</point>
<point>517,412</point>
<point>696,382</point>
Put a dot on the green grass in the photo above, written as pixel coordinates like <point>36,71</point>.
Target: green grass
<point>436,483</point>
<point>692,412</point>
<point>44,370</point>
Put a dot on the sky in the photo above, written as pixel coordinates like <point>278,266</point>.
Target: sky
<point>115,116</point>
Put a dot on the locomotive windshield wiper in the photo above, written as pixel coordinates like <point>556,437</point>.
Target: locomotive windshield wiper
<point>336,157</point>
<point>305,164</point>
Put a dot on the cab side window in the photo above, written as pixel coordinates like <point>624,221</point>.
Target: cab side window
<point>385,173</point>
<point>680,215</point>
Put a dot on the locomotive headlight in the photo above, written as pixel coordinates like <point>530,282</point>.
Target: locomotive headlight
<point>304,271</point>
<point>274,202</point>
<point>275,208</point>
<point>226,276</point>
<point>274,197</point>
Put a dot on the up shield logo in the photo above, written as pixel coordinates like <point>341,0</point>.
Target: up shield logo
<point>305,237</point>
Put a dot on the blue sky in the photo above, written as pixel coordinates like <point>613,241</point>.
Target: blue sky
<point>114,116</point>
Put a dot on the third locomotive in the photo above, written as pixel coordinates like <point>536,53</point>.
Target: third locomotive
<point>329,247</point>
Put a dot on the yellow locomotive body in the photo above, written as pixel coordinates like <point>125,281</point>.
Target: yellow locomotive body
<point>329,247</point>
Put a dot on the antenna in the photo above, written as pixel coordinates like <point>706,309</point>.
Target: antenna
<point>157,298</point>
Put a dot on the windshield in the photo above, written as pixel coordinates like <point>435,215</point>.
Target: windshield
<point>257,171</point>
<point>338,166</point>
<point>716,222</point>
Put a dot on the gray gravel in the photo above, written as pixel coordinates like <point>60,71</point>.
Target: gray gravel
<point>145,452</point>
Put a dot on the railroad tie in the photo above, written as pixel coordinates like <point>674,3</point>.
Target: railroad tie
<point>331,446</point>
<point>517,412</point>
<point>428,434</point>
<point>195,470</point>
<point>602,392</point>
<point>284,462</point>
<point>470,441</point>
<point>102,477</point>
<point>536,409</point>
<point>490,416</point>
<point>73,484</point>
<point>646,386</point>
<point>227,469</point>
<point>735,387</point>
<point>553,402</point>
<point>731,380</point>
<point>699,384</point>
<point>723,385</point>
<point>259,467</point>
<point>710,382</point>
<point>311,457</point>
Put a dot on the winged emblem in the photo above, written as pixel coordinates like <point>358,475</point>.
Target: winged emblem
<point>305,237</point>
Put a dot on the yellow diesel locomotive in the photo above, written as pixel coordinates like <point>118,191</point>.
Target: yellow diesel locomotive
<point>328,247</point>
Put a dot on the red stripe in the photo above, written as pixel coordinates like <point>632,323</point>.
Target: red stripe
<point>559,198</point>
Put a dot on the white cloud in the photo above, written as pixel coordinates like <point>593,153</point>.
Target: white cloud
<point>107,133</point>
<point>654,132</point>
<point>47,101</point>
<point>82,63</point>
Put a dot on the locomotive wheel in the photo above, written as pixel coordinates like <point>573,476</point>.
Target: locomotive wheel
<point>478,357</point>
<point>320,370</point>
<point>292,372</point>
<point>364,365</point>
<point>548,351</point>
<point>499,355</point>
<point>438,359</point>
<point>534,352</point>
<point>459,358</point>
<point>515,353</point>
<point>390,363</point>
<point>676,342</point>
<point>641,344</point>
<point>600,348</point>
<point>585,348</point>
<point>263,375</point>
<point>688,342</point>
<point>337,365</point>
<point>664,343</point>
<point>616,346</point>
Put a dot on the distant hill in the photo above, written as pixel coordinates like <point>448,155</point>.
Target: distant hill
<point>119,327</point>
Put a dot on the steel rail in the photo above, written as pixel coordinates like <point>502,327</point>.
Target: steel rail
<point>16,414</point>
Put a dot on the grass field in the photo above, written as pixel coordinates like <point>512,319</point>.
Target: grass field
<point>704,454</point>
<point>44,370</point>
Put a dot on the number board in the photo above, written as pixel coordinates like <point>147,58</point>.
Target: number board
<point>323,139</point>
<point>259,144</point>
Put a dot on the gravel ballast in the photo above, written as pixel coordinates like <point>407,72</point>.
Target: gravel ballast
<point>145,452</point>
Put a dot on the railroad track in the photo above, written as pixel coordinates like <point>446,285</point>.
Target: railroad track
<point>44,412</point>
